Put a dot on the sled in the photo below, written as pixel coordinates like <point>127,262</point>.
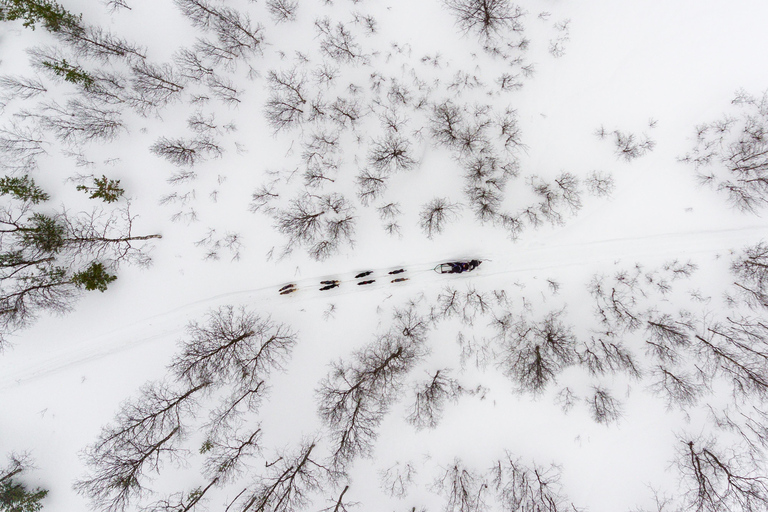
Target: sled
<point>457,267</point>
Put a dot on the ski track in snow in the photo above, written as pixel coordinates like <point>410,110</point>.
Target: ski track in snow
<point>497,268</point>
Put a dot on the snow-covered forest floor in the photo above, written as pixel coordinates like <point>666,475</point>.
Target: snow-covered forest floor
<point>610,353</point>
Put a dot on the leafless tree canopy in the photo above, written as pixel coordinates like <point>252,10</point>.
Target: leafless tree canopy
<point>288,484</point>
<point>535,352</point>
<point>732,154</point>
<point>605,408</point>
<point>392,153</point>
<point>227,356</point>
<point>751,272</point>
<point>233,346</point>
<point>322,224</point>
<point>396,480</point>
<point>337,42</point>
<point>463,489</point>
<point>146,432</point>
<point>282,10</point>
<point>183,152</point>
<point>80,121</point>
<point>436,214</point>
<point>288,103</point>
<point>521,488</point>
<point>237,37</point>
<point>154,86</point>
<point>716,479</point>
<point>430,398</point>
<point>356,394</point>
<point>488,18</point>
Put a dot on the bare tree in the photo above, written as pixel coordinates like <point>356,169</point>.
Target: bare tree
<point>391,153</point>
<point>344,111</point>
<point>737,350</point>
<point>600,184</point>
<point>227,454</point>
<point>322,224</point>
<point>145,432</point>
<point>287,485</point>
<point>155,86</point>
<point>616,300</point>
<point>629,146</point>
<point>520,488</point>
<point>191,64</point>
<point>261,198</point>
<point>463,489</point>
<point>446,123</point>
<point>606,355</point>
<point>97,43</point>
<point>666,336</point>
<point>396,479</point>
<point>237,36</point>
<point>20,87</point>
<point>183,152</point>
<point>435,214</point>
<point>22,144</point>
<point>357,394</point>
<point>320,158</point>
<point>749,424</point>
<point>603,406</point>
<point>534,353</point>
<point>282,10</point>
<point>80,121</point>
<point>488,18</point>
<point>233,346</point>
<point>371,185</point>
<point>224,89</point>
<point>485,201</point>
<point>287,105</point>
<point>338,504</point>
<point>430,398</point>
<point>677,386</point>
<point>716,479</point>
<point>337,41</point>
<point>448,304</point>
<point>557,197</point>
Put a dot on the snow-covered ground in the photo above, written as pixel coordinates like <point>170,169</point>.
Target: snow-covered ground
<point>655,68</point>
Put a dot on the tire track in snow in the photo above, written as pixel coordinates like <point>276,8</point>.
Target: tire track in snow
<point>535,256</point>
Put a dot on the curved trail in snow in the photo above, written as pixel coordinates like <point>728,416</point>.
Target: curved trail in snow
<point>500,267</point>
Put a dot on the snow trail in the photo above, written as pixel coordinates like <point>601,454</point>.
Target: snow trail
<point>498,268</point>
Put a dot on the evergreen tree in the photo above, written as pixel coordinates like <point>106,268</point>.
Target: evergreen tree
<point>95,277</point>
<point>15,496</point>
<point>103,188</point>
<point>52,15</point>
<point>73,74</point>
<point>22,188</point>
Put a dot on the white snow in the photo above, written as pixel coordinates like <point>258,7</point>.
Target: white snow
<point>625,63</point>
